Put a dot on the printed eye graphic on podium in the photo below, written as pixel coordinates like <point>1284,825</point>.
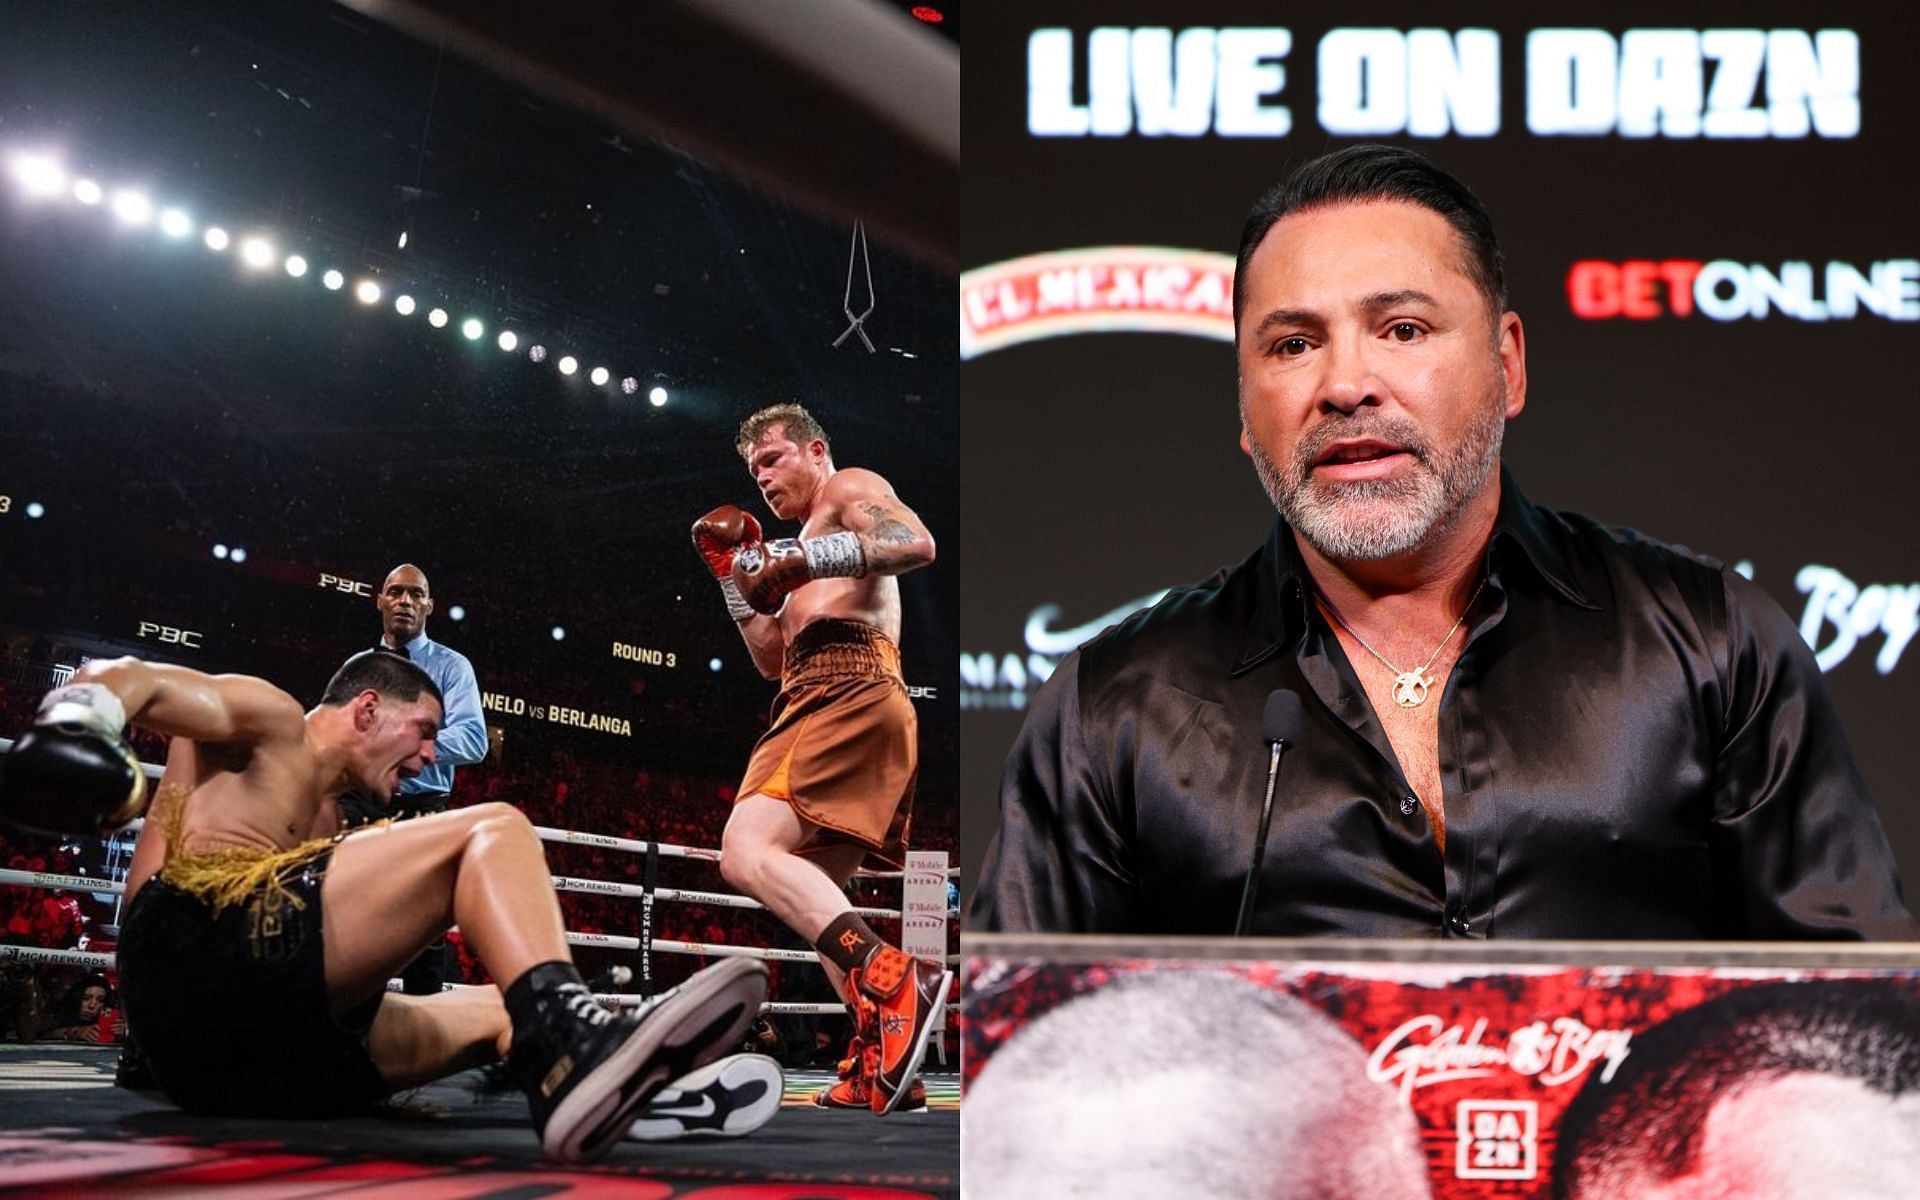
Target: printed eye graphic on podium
<point>1416,1075</point>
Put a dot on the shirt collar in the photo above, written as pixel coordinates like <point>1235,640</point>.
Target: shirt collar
<point>414,645</point>
<point>1531,530</point>
<point>1280,579</point>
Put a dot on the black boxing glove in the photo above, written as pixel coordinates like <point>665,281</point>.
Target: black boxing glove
<point>767,573</point>
<point>72,774</point>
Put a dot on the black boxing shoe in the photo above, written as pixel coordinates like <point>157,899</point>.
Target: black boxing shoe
<point>728,1098</point>
<point>585,1070</point>
<point>132,1071</point>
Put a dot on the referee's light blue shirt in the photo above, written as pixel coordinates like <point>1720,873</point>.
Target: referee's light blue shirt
<point>463,728</point>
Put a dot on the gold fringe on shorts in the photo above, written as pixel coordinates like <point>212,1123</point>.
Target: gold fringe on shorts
<point>224,878</point>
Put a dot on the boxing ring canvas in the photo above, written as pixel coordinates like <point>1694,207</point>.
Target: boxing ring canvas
<point>1411,1068</point>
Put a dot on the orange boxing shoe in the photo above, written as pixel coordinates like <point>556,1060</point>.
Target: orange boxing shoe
<point>863,1052</point>
<point>852,1090</point>
<point>908,994</point>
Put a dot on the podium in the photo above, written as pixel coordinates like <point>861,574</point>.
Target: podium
<point>1119,1067</point>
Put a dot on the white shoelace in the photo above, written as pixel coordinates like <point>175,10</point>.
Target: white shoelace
<point>582,1005</point>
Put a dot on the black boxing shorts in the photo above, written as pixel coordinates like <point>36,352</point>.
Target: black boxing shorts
<point>231,1008</point>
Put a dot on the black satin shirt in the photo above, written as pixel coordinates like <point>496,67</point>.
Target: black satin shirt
<point>1635,743</point>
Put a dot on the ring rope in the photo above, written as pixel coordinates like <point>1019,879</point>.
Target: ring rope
<point>611,941</point>
<point>548,834</point>
<point>564,883</point>
<point>98,958</point>
<point>74,958</point>
<point>561,883</point>
<point>95,885</point>
<point>602,841</point>
<point>94,958</point>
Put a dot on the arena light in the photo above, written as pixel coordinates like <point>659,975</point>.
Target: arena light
<point>238,555</point>
<point>456,613</point>
<point>36,510</point>
<point>220,550</point>
<point>133,208</point>
<point>39,176</point>
<point>256,252</point>
<point>713,664</point>
<point>657,397</point>
<point>559,633</point>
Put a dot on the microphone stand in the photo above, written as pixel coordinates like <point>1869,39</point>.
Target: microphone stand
<point>1260,844</point>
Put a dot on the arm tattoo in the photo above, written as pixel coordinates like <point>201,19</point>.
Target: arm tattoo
<point>891,531</point>
<point>887,529</point>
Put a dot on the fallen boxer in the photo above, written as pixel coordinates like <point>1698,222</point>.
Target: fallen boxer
<point>240,884</point>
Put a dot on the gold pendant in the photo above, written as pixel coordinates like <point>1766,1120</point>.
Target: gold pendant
<point>1409,689</point>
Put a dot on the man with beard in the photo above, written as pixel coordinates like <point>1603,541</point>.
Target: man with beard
<point>1514,722</point>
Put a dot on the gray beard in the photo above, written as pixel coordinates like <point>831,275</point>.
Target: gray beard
<point>1373,519</point>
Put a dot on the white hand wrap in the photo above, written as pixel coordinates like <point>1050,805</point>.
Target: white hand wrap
<point>837,555</point>
<point>92,706</point>
<point>737,606</point>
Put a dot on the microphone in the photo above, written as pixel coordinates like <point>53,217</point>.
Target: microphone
<point>1280,728</point>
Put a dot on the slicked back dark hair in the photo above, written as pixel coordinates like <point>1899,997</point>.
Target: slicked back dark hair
<point>1650,1119</point>
<point>384,672</point>
<point>1371,172</point>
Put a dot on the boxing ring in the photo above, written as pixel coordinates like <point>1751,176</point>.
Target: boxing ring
<point>81,1133</point>
<point>647,894</point>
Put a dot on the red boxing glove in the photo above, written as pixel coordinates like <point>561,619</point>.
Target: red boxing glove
<point>766,573</point>
<point>721,532</point>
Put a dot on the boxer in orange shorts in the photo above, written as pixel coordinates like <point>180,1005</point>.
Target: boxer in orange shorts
<point>832,779</point>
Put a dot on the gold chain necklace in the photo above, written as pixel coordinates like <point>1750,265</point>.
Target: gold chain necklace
<point>1409,687</point>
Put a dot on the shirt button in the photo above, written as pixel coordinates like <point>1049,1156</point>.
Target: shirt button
<point>1408,806</point>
